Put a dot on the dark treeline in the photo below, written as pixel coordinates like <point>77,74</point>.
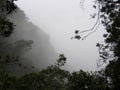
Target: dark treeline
<point>54,77</point>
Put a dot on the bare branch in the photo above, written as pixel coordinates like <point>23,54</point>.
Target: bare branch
<point>94,27</point>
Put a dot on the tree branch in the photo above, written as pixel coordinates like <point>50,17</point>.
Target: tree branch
<point>93,28</point>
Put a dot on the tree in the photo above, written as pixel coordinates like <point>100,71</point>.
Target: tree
<point>6,29</point>
<point>6,7</point>
<point>81,80</point>
<point>10,52</point>
<point>51,78</point>
<point>110,14</point>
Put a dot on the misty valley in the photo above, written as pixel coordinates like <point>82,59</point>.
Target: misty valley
<point>56,45</point>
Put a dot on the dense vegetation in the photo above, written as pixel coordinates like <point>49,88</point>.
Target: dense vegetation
<point>56,78</point>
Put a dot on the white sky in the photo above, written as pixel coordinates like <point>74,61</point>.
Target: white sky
<point>59,19</point>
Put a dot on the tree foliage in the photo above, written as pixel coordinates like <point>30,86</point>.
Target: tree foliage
<point>6,27</point>
<point>10,52</point>
<point>110,49</point>
<point>6,7</point>
<point>54,78</point>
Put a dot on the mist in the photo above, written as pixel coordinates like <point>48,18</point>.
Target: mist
<point>51,24</point>
<point>32,44</point>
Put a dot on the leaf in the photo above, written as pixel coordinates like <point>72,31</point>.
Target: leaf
<point>94,6</point>
<point>76,31</point>
<point>77,37</point>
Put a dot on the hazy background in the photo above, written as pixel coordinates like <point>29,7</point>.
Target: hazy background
<point>30,43</point>
<point>57,20</point>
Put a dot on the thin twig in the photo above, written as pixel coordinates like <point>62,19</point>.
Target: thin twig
<point>95,26</point>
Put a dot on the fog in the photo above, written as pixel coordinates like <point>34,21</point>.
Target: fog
<point>51,24</point>
<point>33,44</point>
